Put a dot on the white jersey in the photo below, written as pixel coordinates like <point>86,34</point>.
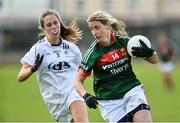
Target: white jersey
<point>56,74</point>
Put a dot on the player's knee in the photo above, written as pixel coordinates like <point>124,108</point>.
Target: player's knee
<point>80,116</point>
<point>142,116</point>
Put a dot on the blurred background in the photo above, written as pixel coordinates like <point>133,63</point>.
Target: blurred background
<point>19,31</point>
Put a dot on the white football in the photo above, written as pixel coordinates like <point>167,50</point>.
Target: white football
<point>134,42</point>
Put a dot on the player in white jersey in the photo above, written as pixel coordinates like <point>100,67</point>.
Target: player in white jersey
<point>56,58</point>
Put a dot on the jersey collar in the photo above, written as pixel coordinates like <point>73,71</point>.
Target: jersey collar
<point>113,37</point>
<point>53,44</point>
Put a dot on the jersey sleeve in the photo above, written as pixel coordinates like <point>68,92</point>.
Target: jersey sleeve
<point>87,62</point>
<point>124,39</point>
<point>30,56</point>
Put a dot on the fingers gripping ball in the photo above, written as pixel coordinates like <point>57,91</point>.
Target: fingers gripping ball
<point>141,43</point>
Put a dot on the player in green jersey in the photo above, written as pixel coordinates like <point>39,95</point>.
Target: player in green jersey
<point>119,93</point>
<point>167,58</point>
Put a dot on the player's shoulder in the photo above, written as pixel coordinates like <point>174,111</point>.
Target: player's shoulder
<point>67,44</point>
<point>90,52</point>
<point>91,47</point>
<point>123,39</point>
<point>39,42</point>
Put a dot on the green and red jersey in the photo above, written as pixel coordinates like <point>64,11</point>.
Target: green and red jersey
<point>112,70</point>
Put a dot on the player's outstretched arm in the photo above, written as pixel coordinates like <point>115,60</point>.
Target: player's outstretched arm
<point>27,69</point>
<point>24,73</point>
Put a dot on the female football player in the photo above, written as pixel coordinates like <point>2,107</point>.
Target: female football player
<point>118,92</point>
<point>55,58</point>
<point>167,57</point>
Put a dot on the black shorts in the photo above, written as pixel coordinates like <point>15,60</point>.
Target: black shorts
<point>129,116</point>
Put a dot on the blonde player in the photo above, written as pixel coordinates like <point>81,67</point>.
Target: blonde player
<point>119,93</point>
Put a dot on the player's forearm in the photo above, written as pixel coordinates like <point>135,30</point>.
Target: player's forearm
<point>24,74</point>
<point>79,86</point>
<point>153,59</point>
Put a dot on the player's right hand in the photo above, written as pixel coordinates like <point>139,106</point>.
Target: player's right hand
<point>37,63</point>
<point>143,51</point>
<point>91,101</point>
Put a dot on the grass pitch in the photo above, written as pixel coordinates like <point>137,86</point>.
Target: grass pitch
<point>22,102</point>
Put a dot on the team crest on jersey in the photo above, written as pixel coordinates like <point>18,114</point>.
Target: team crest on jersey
<point>59,66</point>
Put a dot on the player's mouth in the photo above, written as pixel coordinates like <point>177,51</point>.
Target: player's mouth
<point>54,31</point>
<point>97,38</point>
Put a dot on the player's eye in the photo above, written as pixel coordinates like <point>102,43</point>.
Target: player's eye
<point>55,22</point>
<point>97,27</point>
<point>48,25</point>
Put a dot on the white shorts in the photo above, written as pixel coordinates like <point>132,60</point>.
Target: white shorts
<point>166,66</point>
<point>114,110</point>
<point>61,112</point>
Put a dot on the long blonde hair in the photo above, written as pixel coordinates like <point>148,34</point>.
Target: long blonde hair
<point>71,33</point>
<point>118,27</point>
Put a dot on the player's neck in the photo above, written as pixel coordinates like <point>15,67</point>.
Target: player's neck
<point>106,43</point>
<point>54,41</point>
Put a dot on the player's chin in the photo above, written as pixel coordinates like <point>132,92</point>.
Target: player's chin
<point>55,35</point>
<point>98,40</point>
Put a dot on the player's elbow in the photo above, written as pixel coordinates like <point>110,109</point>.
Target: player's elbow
<point>20,78</point>
<point>155,61</point>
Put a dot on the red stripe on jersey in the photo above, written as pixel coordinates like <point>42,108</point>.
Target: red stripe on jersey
<point>111,56</point>
<point>81,73</point>
<point>113,37</point>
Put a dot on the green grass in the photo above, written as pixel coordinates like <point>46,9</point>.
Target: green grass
<point>165,104</point>
<point>23,102</point>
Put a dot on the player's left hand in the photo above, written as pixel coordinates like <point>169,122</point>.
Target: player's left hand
<point>143,51</point>
<point>90,100</point>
